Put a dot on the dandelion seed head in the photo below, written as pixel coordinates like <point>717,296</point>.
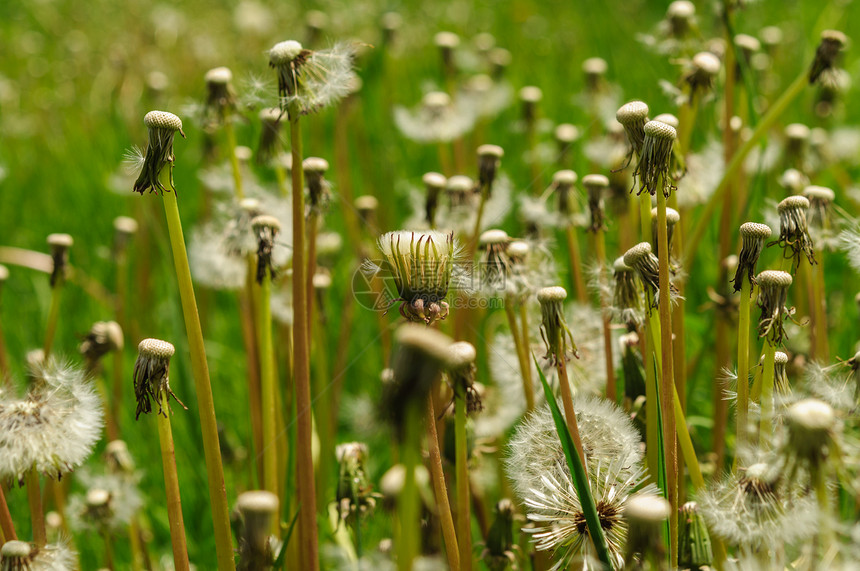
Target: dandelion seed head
<point>668,119</point>
<point>54,428</point>
<point>162,127</point>
<point>565,133</point>
<point>655,157</point>
<point>151,375</point>
<point>125,225</point>
<point>285,52</point>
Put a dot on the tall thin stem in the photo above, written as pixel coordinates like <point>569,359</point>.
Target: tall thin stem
<point>171,487</point>
<point>437,475</point>
<point>231,149</point>
<point>37,514</point>
<point>522,356</point>
<point>766,401</point>
<point>464,512</point>
<point>743,363</point>
<point>667,384</point>
<point>408,504</point>
<point>600,249</point>
<point>569,412</point>
<point>6,525</point>
<point>267,384</point>
<point>203,387</point>
<point>576,264</point>
<point>307,525</point>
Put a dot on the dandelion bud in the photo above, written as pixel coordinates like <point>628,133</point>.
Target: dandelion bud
<point>820,199</point>
<point>266,229</point>
<point>420,356</point>
<point>421,265</point>
<point>562,184</point>
<point>704,67</point>
<point>434,183</point>
<point>553,328</point>
<point>258,509</point>
<point>270,141</point>
<point>59,244</point>
<point>794,236</point>
<point>753,236</point>
<point>812,435</point>
<point>530,96</point>
<point>221,98</point>
<point>102,338</point>
<point>461,374</point>
<point>354,490</point>
<point>151,375</point>
<point>124,228</point>
<point>656,158</point>
<point>500,538</point>
<point>645,515</point>
<point>366,206</point>
<point>162,127</point>
<point>489,159</point>
<point>594,70</point>
<point>596,186</point>
<point>319,190</point>
<point>460,190</point>
<point>633,117</point>
<point>773,293</point>
<point>694,542</point>
<point>832,43</point>
<point>681,16</point>
<point>625,293</point>
<point>672,218</point>
<point>640,258</point>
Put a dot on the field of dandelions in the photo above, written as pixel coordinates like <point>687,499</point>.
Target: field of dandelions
<point>443,285</point>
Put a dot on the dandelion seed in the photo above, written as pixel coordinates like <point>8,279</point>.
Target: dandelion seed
<point>162,127</point>
<point>150,376</point>
<point>773,294</point>
<point>485,97</point>
<point>311,80</point>
<point>54,428</point>
<point>753,236</point>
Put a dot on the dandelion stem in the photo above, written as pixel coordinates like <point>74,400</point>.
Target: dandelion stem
<point>307,525</point>
<point>667,385</point>
<point>569,412</point>
<point>408,514</point>
<point>246,319</point>
<point>230,133</point>
<point>522,355</point>
<point>267,384</point>
<point>6,525</point>
<point>53,317</point>
<point>311,225</point>
<point>743,363</point>
<point>171,486</point>
<point>773,113</point>
<point>464,514</point>
<point>37,515</point>
<point>767,379</point>
<point>281,177</point>
<point>600,249</point>
<point>437,474</point>
<point>576,264</point>
<point>203,387</point>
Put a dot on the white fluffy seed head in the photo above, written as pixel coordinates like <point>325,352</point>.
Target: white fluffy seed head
<point>162,120</point>
<point>156,348</point>
<point>283,53</point>
<point>811,416</point>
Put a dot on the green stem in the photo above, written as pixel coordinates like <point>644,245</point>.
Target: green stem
<point>464,515</point>
<point>766,426</point>
<point>437,475</point>
<point>576,264</point>
<point>569,412</point>
<point>171,486</point>
<point>667,385</point>
<point>743,365</point>
<point>203,387</point>
<point>281,176</point>
<point>522,356</point>
<point>408,503</point>
<point>773,113</point>
<point>305,484</point>
<point>37,514</point>
<point>600,249</point>
<point>53,317</point>
<point>234,160</point>
<point>267,385</point>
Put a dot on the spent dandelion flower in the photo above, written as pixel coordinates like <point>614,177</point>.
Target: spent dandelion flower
<point>819,215</point>
<point>596,186</point>
<point>554,331</point>
<point>60,244</point>
<point>753,236</point>
<point>562,186</point>
<point>319,189</point>
<point>646,514</point>
<point>437,119</point>
<point>827,54</point>
<point>102,338</point>
<point>812,438</point>
<point>633,117</point>
<point>460,369</point>
<point>162,127</point>
<point>422,266</point>
<point>220,95</point>
<point>626,305</point>
<point>434,184</point>
<point>19,555</point>
<point>110,503</point>
<point>311,80</point>
<point>151,375</point>
<point>700,74</point>
<point>496,265</point>
<point>267,229</point>
<point>641,259</point>
<point>773,295</point>
<point>257,548</point>
<point>560,526</point>
<point>757,507</point>
<point>655,159</point>
<point>672,218</point>
<point>270,144</point>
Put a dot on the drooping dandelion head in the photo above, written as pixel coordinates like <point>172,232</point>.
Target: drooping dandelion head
<point>59,245</point>
<point>54,428</point>
<point>672,218</point>
<point>102,338</point>
<point>655,159</point>
<point>151,376</point>
<point>596,187</point>
<point>827,54</point>
<point>553,326</point>
<point>266,228</point>
<point>626,297</point>
<point>162,127</point>
<point>633,117</point>
<point>489,159</point>
<point>641,259</point>
<point>780,372</point>
<point>753,236</point>
<point>772,297</point>
<point>421,264</point>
